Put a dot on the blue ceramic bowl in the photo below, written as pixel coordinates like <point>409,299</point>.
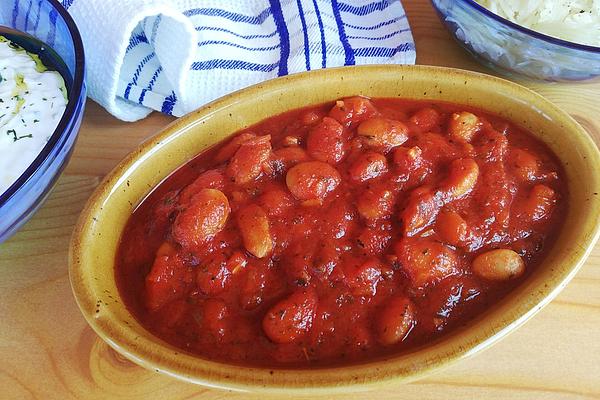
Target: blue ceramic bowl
<point>509,47</point>
<point>47,21</point>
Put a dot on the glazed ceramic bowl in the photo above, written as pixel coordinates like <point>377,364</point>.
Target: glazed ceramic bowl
<point>49,22</point>
<point>509,47</point>
<point>96,237</point>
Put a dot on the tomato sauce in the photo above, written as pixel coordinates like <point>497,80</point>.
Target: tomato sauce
<point>340,233</point>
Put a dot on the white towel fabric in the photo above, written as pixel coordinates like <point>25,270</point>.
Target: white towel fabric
<point>175,55</point>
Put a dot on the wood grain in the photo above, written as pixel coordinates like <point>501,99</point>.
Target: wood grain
<point>49,351</point>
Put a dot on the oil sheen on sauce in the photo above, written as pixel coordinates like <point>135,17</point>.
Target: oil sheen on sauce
<point>33,98</point>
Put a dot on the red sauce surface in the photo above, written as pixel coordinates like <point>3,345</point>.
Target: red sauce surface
<point>339,233</point>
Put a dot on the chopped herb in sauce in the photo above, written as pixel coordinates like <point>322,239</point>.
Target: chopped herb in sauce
<point>33,100</point>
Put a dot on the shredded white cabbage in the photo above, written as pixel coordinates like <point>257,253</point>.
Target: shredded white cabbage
<point>575,21</point>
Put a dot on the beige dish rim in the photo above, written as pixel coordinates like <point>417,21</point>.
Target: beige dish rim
<point>161,357</point>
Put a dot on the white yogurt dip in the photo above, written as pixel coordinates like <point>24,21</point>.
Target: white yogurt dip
<point>32,102</point>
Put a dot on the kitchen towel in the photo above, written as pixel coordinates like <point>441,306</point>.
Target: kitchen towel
<point>176,55</point>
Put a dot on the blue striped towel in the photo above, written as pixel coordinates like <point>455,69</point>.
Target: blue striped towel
<point>175,55</point>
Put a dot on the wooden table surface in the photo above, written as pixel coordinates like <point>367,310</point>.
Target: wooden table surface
<point>48,351</point>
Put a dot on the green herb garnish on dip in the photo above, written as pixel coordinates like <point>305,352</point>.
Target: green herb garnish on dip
<point>32,102</point>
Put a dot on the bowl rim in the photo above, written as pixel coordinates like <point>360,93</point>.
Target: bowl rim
<point>72,105</point>
<point>153,360</point>
<point>523,29</point>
